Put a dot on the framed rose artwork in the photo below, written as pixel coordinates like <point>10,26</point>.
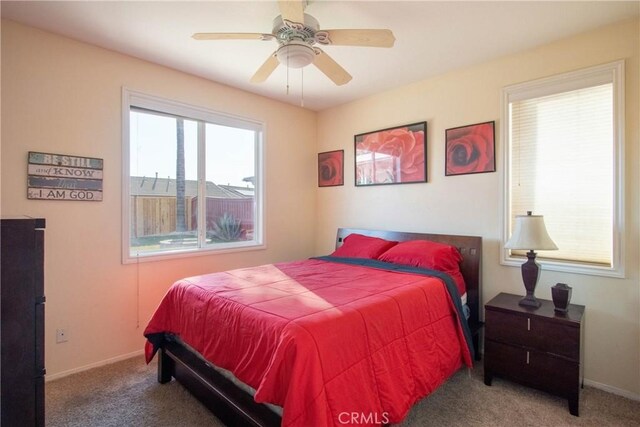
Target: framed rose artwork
<point>470,149</point>
<point>331,168</point>
<point>392,156</point>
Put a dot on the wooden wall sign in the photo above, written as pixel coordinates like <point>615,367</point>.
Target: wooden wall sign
<point>60,177</point>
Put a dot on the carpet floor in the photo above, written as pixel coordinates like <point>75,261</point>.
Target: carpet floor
<point>127,394</point>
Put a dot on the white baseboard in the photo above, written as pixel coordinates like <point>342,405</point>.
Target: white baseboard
<point>612,390</point>
<point>93,365</point>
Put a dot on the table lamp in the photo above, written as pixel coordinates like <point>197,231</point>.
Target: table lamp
<point>530,234</point>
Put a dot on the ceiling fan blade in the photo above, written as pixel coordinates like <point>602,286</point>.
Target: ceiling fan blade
<point>331,68</point>
<point>370,38</point>
<point>265,69</point>
<point>292,10</point>
<point>232,36</point>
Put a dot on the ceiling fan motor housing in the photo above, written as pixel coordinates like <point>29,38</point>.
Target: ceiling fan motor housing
<point>285,31</point>
<point>296,40</point>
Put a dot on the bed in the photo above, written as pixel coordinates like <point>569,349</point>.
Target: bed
<point>327,338</point>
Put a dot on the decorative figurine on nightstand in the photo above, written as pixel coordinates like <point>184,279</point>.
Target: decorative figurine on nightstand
<point>530,233</point>
<point>561,294</point>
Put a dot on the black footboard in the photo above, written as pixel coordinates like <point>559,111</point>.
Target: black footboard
<point>232,405</point>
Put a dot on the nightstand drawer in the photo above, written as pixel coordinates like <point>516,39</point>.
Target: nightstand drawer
<point>533,332</point>
<point>532,368</point>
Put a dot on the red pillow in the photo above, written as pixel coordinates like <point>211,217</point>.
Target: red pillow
<point>359,246</point>
<point>427,254</point>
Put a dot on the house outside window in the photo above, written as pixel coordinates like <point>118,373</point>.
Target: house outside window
<point>192,180</point>
<point>564,144</point>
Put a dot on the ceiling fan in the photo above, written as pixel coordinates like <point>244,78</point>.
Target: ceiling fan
<point>297,33</point>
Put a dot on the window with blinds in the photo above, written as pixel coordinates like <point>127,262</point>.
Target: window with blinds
<point>563,162</point>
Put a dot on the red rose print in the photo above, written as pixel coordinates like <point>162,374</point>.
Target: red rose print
<point>330,168</point>
<point>470,149</point>
<point>405,161</point>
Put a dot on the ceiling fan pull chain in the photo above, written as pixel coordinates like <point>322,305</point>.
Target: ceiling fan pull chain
<point>302,88</point>
<point>287,70</point>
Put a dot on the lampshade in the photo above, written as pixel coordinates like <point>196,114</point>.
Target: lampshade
<point>296,54</point>
<point>530,234</point>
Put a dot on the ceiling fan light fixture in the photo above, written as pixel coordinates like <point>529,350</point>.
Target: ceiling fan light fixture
<point>295,54</point>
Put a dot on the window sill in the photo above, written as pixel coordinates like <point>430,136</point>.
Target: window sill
<point>566,267</point>
<point>187,253</point>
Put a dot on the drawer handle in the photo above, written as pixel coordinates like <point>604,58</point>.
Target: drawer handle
<point>528,324</point>
<point>527,357</point>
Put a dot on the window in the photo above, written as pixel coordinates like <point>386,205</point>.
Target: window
<point>191,180</point>
<point>564,145</point>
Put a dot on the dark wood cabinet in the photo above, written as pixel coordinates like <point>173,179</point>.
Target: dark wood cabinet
<point>22,322</point>
<point>535,347</point>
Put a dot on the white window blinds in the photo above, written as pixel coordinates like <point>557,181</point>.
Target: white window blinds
<point>562,166</point>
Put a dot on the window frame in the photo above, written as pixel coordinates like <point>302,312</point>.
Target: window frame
<point>132,98</point>
<point>612,72</point>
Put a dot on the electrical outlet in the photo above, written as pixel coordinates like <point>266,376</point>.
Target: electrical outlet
<point>61,336</point>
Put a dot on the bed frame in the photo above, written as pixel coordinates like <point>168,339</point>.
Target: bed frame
<point>235,407</point>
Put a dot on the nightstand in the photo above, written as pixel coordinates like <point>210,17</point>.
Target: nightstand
<point>535,347</point>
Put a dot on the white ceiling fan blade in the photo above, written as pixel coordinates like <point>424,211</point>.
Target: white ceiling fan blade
<point>265,69</point>
<point>370,38</point>
<point>232,36</point>
<point>331,68</point>
<point>292,10</point>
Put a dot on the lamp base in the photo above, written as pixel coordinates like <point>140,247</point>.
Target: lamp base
<point>530,274</point>
<point>530,301</point>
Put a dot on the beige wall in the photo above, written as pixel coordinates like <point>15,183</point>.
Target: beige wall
<point>470,204</point>
<point>64,97</point>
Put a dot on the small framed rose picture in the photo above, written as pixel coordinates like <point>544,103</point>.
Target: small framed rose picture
<point>331,168</point>
<point>470,149</point>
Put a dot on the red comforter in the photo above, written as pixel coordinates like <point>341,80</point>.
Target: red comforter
<point>323,340</point>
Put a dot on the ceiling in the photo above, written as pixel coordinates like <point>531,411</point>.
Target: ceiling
<point>431,37</point>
